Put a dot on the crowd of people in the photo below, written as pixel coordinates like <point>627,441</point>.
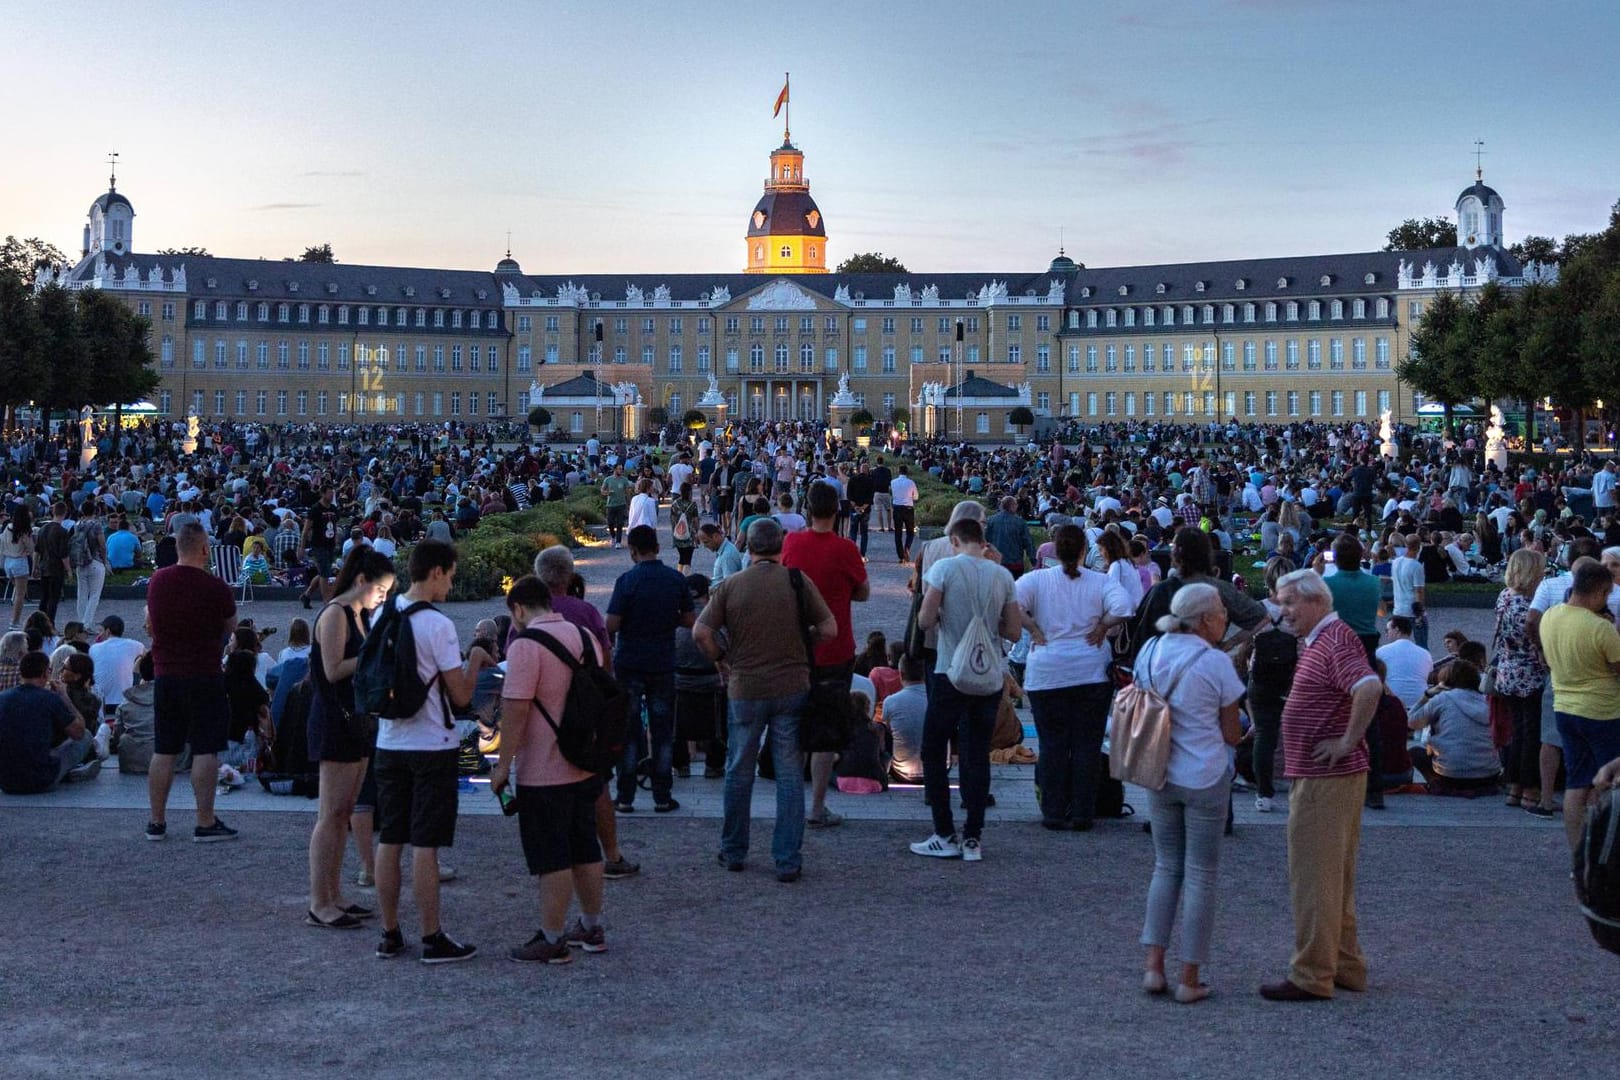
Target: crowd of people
<point>1061,573</point>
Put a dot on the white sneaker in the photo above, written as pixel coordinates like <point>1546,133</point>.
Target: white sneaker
<point>1262,804</point>
<point>970,851</point>
<point>938,847</point>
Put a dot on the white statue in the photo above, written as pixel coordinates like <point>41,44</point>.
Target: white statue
<point>1386,434</point>
<point>87,437</point>
<point>188,445</point>
<point>714,384</point>
<point>1495,440</point>
<point>633,295</point>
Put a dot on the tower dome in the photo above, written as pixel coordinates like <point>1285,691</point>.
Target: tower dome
<point>786,232</point>
<point>1479,215</point>
<point>111,229</point>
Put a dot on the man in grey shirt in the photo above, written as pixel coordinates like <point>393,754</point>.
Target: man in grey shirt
<point>904,712</point>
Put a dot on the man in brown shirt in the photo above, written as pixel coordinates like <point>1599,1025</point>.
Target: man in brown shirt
<point>752,628</point>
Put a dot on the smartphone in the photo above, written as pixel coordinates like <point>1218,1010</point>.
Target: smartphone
<point>507,798</point>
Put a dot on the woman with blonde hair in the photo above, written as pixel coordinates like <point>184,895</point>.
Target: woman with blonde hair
<point>1186,666</point>
<point>1520,673</point>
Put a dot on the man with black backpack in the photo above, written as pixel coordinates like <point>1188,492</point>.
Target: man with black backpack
<point>417,750</point>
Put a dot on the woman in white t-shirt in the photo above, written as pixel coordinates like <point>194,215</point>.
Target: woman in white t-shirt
<point>1068,611</point>
<point>1185,665</point>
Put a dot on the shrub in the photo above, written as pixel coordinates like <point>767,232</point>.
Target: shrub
<point>539,417</point>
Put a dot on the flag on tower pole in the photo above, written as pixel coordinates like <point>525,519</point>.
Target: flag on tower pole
<point>781,99</point>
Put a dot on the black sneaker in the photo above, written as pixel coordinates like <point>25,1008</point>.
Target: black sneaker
<point>157,830</point>
<point>666,806</point>
<point>624,807</point>
<point>537,950</point>
<point>442,949</point>
<point>620,868</point>
<point>391,945</point>
<point>213,834</point>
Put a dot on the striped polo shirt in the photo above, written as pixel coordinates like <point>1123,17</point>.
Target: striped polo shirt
<point>1332,662</point>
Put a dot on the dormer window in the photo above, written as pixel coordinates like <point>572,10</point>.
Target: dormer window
<point>263,311</point>
<point>363,316</point>
<point>1383,308</point>
<point>1358,309</point>
<point>1091,319</point>
<point>371,290</point>
<point>1111,317</point>
<point>1186,314</point>
<point>1085,291</point>
<point>1147,316</point>
<point>1337,309</point>
<point>1228,313</point>
<point>1124,290</point>
<point>1198,286</point>
<point>331,288</point>
<point>1160,288</point>
<point>1282,283</point>
<point>212,282</point>
<point>292,286</point>
<point>1208,314</point>
<point>1130,316</point>
<point>1327,279</point>
<point>483,294</point>
<point>1240,284</point>
<point>410,290</point>
<point>444,294</point>
<point>1293,311</point>
<point>1169,316</point>
<point>343,315</point>
<point>253,286</point>
<point>1271,311</point>
<point>1315,310</point>
<point>1370,279</point>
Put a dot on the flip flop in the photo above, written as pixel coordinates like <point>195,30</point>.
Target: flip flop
<point>358,912</point>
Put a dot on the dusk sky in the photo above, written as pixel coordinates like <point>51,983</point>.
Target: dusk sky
<point>634,137</point>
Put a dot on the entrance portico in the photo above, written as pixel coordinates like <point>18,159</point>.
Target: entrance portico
<point>785,398</point>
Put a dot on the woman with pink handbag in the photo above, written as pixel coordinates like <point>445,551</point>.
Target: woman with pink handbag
<point>1187,668</point>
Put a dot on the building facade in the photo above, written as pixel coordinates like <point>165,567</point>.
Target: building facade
<point>1260,340</point>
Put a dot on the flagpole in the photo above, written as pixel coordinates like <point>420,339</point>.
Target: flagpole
<point>787,117</point>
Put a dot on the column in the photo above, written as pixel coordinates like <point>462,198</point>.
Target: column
<point>770,399</point>
<point>821,408</point>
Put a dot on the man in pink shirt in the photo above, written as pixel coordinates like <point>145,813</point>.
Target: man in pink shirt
<point>1333,698</point>
<point>556,800</point>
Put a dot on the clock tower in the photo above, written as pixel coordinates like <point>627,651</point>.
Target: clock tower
<point>1479,215</point>
<point>786,234</point>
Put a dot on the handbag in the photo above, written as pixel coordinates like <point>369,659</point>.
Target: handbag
<point>916,638</point>
<point>1139,723</point>
<point>828,719</point>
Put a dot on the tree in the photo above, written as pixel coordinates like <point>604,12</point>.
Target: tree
<point>322,254</point>
<point>539,417</point>
<point>1436,364</point>
<point>1415,235</point>
<point>117,349</point>
<point>24,258</point>
<point>658,416</point>
<point>195,252</point>
<point>22,359</point>
<point>1021,417</point>
<point>694,420</point>
<point>871,262</point>
<point>860,419</point>
<point>1538,249</point>
<point>66,382</point>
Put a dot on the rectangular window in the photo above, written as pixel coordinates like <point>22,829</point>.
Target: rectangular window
<point>1091,359</point>
<point>858,360</point>
<point>1130,358</point>
<point>1043,323</point>
<point>281,403</point>
<point>421,358</point>
<point>1271,403</point>
<point>303,403</point>
<point>676,361</point>
<point>219,355</point>
<point>1091,403</point>
<point>888,359</point>
<point>1111,358</point>
<point>1228,356</point>
<point>282,358</point>
<point>1293,355</point>
<point>1293,403</point>
<point>1381,354</point>
<point>1110,403</point>
<point>343,356</point>
<point>1043,402</point>
<point>455,358</point>
<point>1043,358</point>
<point>1335,354</point>
<point>438,403</point>
<point>1150,359</point>
<point>1248,358</point>
<point>455,403</point>
<point>1169,401</point>
<point>1271,356</point>
<point>888,324</point>
<point>1130,403</point>
<point>1361,403</point>
<point>475,360</point>
<point>1188,402</point>
<point>1074,404</point>
<point>552,354</point>
<point>703,362</point>
<point>525,359</point>
<point>1074,359</point>
<point>242,355</point>
<point>1015,322</point>
<point>1338,402</point>
<point>1383,402</point>
<point>1188,356</point>
<point>261,402</point>
<point>1248,403</point>
<point>323,356</point>
<point>704,325</point>
<point>1015,353</point>
<point>1315,400</point>
<point>1313,354</point>
<point>675,324</point>
<point>241,402</point>
<point>1358,354</point>
<point>303,356</point>
<point>647,355</point>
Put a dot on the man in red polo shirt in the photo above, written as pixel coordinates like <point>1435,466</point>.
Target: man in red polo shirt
<point>1333,698</point>
<point>839,573</point>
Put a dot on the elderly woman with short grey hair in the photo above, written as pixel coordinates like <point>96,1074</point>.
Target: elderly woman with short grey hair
<point>1186,666</point>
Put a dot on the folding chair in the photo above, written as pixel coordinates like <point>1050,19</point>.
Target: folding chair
<point>227,562</point>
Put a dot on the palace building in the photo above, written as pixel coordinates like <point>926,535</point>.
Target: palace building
<point>1261,340</point>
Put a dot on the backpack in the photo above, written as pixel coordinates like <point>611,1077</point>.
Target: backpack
<point>1271,669</point>
<point>285,767</point>
<point>1597,870</point>
<point>975,666</point>
<point>591,731</point>
<point>679,529</point>
<point>387,682</point>
<point>79,550</point>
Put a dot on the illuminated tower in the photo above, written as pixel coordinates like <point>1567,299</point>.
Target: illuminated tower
<point>786,234</point>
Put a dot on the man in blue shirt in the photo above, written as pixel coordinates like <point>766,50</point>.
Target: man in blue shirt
<point>1009,534</point>
<point>41,737</point>
<point>649,601</point>
<point>727,559</point>
<point>121,547</point>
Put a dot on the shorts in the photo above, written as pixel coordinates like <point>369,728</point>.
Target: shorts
<point>416,797</point>
<point>189,709</point>
<point>557,824</point>
<point>17,568</point>
<point>1588,746</point>
<point>617,516</point>
<point>683,555</point>
<point>337,735</point>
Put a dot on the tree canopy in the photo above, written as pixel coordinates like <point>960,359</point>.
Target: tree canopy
<point>1415,235</point>
<point>197,252</point>
<point>320,254</point>
<point>871,262</point>
<point>26,257</point>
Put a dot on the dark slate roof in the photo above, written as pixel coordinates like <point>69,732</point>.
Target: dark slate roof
<point>356,284</point>
<point>870,286</point>
<point>785,215</point>
<point>111,198</point>
<point>1346,274</point>
<point>579,386</point>
<point>1480,191</point>
<point>508,265</point>
<point>977,386</point>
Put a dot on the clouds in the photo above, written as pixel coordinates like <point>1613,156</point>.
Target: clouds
<point>285,206</point>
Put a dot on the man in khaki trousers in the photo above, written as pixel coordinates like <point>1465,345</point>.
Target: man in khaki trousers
<point>1333,698</point>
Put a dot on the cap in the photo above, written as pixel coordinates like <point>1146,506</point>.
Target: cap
<point>114,624</point>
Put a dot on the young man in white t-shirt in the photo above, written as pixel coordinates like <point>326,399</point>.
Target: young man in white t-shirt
<point>416,762</point>
<point>1406,572</point>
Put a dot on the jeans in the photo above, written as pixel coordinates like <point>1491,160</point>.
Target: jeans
<point>91,579</point>
<point>1187,827</point>
<point>1267,719</point>
<point>50,594</point>
<point>1070,721</point>
<point>905,530</point>
<point>882,511</point>
<point>749,720</point>
<point>657,690</point>
<point>859,528</point>
<point>969,719</point>
<point>70,753</point>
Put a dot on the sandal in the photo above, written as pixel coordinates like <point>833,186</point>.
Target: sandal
<point>1514,802</point>
<point>357,912</point>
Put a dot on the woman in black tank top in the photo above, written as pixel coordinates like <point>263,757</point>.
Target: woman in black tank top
<point>340,740</point>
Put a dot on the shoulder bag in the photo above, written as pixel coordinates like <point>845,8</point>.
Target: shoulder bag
<point>1139,722</point>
